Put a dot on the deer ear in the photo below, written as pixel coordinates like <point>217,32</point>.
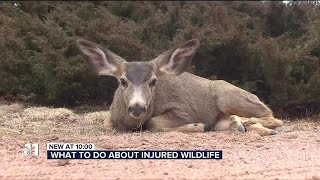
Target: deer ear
<point>102,61</point>
<point>175,62</point>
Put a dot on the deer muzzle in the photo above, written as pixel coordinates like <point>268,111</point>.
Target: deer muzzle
<point>137,110</point>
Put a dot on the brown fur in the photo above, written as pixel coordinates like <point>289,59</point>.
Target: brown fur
<point>180,101</point>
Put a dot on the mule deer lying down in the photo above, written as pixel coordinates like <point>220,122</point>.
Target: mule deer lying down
<point>159,96</point>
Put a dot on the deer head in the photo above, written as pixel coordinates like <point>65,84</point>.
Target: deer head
<point>138,80</point>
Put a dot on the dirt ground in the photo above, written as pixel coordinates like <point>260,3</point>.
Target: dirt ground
<point>293,154</point>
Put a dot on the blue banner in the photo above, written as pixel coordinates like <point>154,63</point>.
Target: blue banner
<point>135,154</point>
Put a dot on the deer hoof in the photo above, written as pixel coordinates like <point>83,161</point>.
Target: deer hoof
<point>273,132</point>
<point>241,128</point>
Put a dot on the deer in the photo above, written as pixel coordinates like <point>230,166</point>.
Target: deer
<point>161,95</point>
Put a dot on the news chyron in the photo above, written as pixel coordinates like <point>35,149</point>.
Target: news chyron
<point>87,151</point>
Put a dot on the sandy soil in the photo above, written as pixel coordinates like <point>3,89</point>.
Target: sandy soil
<point>293,154</point>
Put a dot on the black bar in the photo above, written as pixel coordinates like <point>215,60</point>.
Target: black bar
<point>135,154</point>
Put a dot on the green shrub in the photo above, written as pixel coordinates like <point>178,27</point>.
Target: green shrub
<point>267,48</point>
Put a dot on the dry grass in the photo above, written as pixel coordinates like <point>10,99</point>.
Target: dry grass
<point>309,124</point>
<point>45,123</point>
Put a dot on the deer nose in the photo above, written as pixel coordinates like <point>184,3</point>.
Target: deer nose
<point>136,110</point>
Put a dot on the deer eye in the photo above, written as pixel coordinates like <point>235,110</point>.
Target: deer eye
<point>123,82</point>
<point>153,82</point>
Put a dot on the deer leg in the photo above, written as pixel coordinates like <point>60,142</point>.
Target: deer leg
<point>243,124</point>
<point>247,107</point>
<point>107,123</point>
<point>268,122</point>
<point>226,124</point>
<point>191,127</point>
<point>251,125</point>
<point>164,123</point>
<point>253,116</point>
